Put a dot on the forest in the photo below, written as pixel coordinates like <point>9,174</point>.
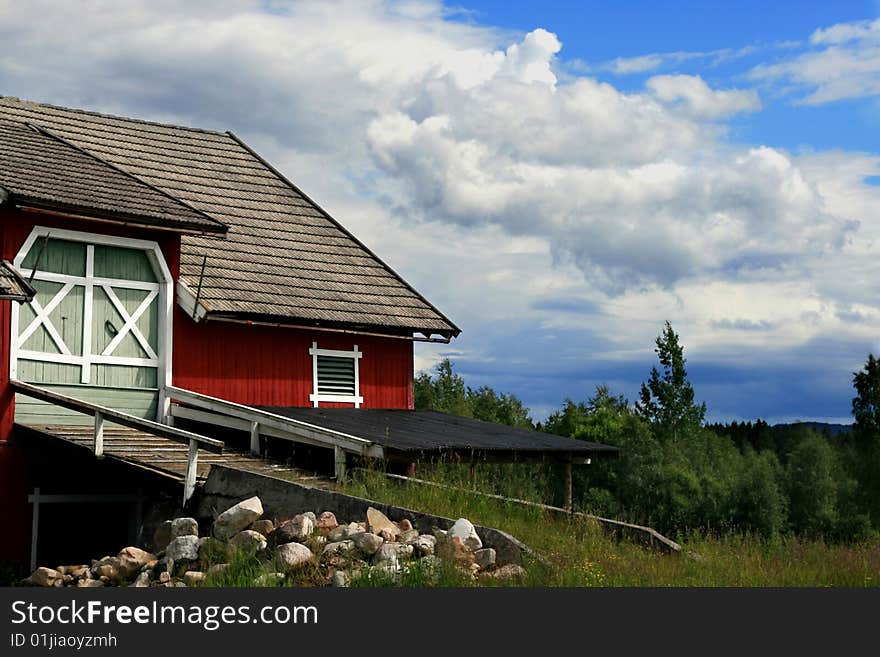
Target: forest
<point>679,474</point>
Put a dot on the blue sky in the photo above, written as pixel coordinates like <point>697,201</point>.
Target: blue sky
<point>560,178</point>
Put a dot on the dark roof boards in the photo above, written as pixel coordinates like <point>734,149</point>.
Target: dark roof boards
<point>433,431</point>
<point>283,258</point>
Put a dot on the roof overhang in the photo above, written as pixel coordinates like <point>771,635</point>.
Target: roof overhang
<point>40,206</point>
<point>194,306</point>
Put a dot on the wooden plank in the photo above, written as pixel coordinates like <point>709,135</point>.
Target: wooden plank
<point>148,426</point>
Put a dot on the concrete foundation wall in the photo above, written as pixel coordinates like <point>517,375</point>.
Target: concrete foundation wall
<point>283,499</point>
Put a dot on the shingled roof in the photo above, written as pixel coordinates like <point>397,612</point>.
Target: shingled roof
<point>42,171</point>
<point>284,259</point>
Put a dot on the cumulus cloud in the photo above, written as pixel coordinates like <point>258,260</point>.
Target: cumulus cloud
<point>843,64</point>
<point>697,98</point>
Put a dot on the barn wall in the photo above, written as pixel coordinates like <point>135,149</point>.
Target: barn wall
<point>264,365</point>
<point>18,471</point>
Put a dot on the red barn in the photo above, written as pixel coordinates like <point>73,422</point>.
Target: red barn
<point>156,272</point>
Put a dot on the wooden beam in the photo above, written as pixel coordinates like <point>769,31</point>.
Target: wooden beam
<point>192,463</point>
<point>99,435</point>
<point>255,438</point>
<point>339,463</point>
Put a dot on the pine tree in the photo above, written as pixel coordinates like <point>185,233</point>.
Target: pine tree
<point>667,399</point>
<point>866,403</point>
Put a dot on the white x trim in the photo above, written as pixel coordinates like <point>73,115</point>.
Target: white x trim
<point>159,292</point>
<point>42,318</point>
<point>130,325</point>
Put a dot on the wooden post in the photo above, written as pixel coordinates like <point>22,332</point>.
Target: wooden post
<point>99,435</point>
<point>192,462</point>
<point>568,487</point>
<point>339,456</point>
<point>255,438</point>
<point>35,527</point>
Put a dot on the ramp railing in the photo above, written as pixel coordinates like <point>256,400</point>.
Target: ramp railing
<point>103,414</point>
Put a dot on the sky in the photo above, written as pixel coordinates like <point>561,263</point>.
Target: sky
<point>559,178</point>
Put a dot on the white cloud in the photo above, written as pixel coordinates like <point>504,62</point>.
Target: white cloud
<point>692,92</point>
<point>843,64</point>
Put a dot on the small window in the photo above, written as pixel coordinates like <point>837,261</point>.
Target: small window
<point>335,376</point>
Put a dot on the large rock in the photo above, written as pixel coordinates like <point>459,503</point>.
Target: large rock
<point>142,581</point>
<point>295,530</point>
<point>107,568</point>
<point>293,555</point>
<point>485,558</point>
<point>183,548</point>
<point>337,547</point>
<point>89,583</point>
<point>367,543</point>
<point>393,551</point>
<point>424,545</point>
<point>43,576</point>
<point>408,536</point>
<point>193,577</point>
<point>184,527</point>
<point>326,523</point>
<point>465,530</point>
<point>237,518</point>
<point>339,579</point>
<point>388,557</point>
<point>377,521</point>
<point>344,532</point>
<point>265,527</point>
<point>132,559</point>
<point>248,540</point>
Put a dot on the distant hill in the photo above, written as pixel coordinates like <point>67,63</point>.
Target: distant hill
<point>832,429</point>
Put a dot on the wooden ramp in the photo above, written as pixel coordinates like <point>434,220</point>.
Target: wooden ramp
<point>169,458</point>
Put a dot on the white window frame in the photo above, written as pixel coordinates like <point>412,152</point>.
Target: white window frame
<point>355,354</point>
<point>163,289</point>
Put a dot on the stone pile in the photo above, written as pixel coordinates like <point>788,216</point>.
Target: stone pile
<point>334,552</point>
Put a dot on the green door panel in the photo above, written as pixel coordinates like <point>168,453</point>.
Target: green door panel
<point>118,362</point>
<point>138,402</point>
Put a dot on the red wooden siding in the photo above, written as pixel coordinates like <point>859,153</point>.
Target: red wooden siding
<point>265,365</point>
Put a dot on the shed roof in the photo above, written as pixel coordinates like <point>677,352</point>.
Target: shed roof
<point>428,431</point>
<point>13,285</point>
<point>283,259</point>
<point>40,170</point>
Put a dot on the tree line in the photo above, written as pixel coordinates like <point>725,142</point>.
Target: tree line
<point>677,473</point>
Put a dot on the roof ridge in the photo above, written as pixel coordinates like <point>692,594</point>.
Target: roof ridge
<point>345,231</point>
<point>105,115</point>
<point>48,133</point>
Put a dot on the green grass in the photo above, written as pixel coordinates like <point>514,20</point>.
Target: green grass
<point>578,552</point>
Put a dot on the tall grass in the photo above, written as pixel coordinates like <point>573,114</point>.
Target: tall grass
<point>578,552</point>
